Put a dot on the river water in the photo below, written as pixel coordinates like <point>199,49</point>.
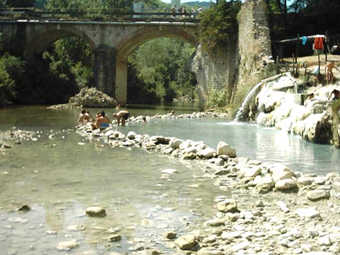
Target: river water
<point>60,175</point>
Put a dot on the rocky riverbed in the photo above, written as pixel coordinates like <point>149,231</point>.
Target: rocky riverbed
<point>12,137</point>
<point>262,209</point>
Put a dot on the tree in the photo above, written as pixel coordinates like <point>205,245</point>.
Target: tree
<point>11,73</point>
<point>218,23</point>
<point>161,69</point>
<point>20,3</point>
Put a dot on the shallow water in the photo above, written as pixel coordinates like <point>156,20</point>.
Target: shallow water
<point>59,178</point>
<point>254,142</point>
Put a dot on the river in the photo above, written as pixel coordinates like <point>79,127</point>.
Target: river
<point>60,175</point>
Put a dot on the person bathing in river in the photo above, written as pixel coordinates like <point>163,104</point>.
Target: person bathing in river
<point>84,117</point>
<point>101,122</point>
<point>329,72</point>
<point>121,117</point>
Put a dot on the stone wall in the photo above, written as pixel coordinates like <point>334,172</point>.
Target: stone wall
<point>239,65</point>
<point>216,70</point>
<point>254,42</point>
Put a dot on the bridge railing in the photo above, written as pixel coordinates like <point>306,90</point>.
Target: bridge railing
<point>96,15</point>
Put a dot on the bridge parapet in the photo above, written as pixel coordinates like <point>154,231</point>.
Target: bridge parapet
<point>96,15</point>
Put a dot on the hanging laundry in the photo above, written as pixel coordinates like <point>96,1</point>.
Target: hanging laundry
<point>304,40</point>
<point>318,43</point>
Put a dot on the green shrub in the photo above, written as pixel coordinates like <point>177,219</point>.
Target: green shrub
<point>218,23</point>
<point>11,71</point>
<point>217,98</point>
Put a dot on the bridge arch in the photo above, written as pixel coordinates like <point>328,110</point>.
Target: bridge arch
<point>40,40</point>
<point>130,43</point>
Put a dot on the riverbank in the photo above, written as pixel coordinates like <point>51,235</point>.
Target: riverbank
<point>294,106</point>
<point>263,208</point>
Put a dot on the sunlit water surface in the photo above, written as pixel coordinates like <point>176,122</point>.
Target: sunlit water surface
<point>59,179</point>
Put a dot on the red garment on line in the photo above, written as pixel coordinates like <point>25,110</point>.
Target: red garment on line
<point>318,43</point>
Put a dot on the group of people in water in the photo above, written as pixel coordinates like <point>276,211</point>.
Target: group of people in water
<point>101,121</point>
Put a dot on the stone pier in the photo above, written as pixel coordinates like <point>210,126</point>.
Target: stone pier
<point>104,69</point>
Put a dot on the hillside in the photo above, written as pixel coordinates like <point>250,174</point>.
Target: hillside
<point>197,4</point>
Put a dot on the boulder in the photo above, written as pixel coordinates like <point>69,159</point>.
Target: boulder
<point>307,212</point>
<point>209,251</point>
<point>225,149</point>
<point>264,184</point>
<point>189,156</point>
<point>317,129</point>
<point>207,153</point>
<point>251,172</point>
<point>91,97</point>
<point>286,185</point>
<point>131,135</point>
<point>170,235</point>
<point>227,205</point>
<point>175,143</point>
<point>185,145</point>
<point>160,140</point>
<point>187,242</point>
<point>318,194</point>
<point>280,172</point>
<point>305,180</point>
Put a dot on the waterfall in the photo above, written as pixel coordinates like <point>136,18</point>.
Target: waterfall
<point>243,110</point>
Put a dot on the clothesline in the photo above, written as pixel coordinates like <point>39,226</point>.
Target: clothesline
<point>299,38</point>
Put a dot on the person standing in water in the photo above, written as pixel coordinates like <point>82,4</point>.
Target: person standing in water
<point>121,117</point>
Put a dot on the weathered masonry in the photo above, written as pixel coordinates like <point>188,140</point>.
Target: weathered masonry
<point>112,42</point>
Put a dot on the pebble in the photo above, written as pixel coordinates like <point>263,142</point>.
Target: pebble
<point>96,211</point>
<point>67,245</point>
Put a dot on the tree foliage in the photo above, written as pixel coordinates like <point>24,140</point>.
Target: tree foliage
<point>289,18</point>
<point>88,5</point>
<point>20,3</point>
<point>162,70</point>
<point>218,23</point>
<point>11,72</point>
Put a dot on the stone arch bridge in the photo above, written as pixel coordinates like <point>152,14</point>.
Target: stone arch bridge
<point>111,42</point>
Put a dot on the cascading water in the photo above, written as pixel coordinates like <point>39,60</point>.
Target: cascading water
<point>243,110</point>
